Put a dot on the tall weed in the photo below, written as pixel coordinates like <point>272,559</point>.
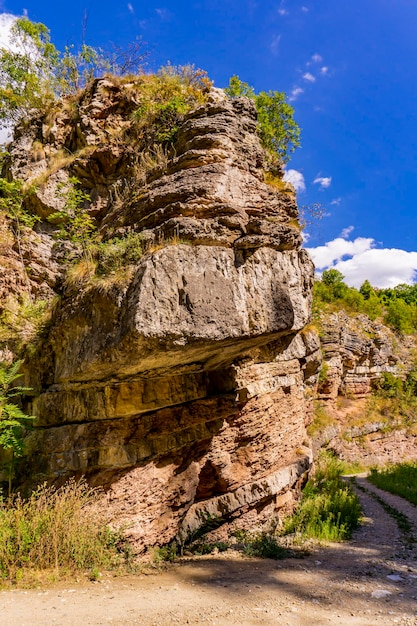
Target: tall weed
<point>400,479</point>
<point>61,529</point>
<point>329,510</point>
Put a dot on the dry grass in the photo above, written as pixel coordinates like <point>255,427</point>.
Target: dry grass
<point>58,530</point>
<point>278,183</point>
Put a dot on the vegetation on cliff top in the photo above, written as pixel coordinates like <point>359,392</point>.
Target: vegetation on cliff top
<point>277,129</point>
<point>396,306</point>
<point>34,74</point>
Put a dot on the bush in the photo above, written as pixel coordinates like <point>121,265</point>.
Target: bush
<point>277,129</point>
<point>401,316</point>
<point>61,529</point>
<point>165,98</point>
<point>329,510</point>
<point>33,72</point>
<point>12,418</point>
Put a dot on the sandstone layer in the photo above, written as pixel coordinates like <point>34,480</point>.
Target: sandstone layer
<point>180,386</point>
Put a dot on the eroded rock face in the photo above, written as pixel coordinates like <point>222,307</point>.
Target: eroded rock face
<point>356,351</point>
<point>181,387</point>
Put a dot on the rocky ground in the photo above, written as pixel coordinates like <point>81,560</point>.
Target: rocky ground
<point>371,580</point>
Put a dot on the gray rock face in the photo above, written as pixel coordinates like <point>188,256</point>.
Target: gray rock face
<point>179,387</point>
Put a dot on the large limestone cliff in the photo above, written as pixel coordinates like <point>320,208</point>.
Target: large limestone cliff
<point>181,386</point>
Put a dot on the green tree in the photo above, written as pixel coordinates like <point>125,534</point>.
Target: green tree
<point>27,71</point>
<point>277,129</point>
<point>12,418</point>
<point>366,289</point>
<point>333,279</point>
<point>401,316</point>
<point>33,72</point>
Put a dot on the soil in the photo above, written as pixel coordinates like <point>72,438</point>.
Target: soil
<point>371,580</point>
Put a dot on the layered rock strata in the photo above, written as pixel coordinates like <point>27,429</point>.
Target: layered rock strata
<point>356,351</point>
<point>180,387</point>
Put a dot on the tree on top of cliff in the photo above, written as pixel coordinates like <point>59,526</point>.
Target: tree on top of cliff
<point>27,71</point>
<point>277,129</point>
<point>33,72</point>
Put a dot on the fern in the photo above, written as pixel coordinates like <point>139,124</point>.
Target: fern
<point>12,418</point>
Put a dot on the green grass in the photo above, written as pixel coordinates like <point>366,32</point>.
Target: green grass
<point>329,510</point>
<point>400,479</point>
<point>63,530</point>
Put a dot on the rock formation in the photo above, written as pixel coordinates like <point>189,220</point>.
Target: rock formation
<point>356,351</point>
<point>179,384</point>
<point>362,427</point>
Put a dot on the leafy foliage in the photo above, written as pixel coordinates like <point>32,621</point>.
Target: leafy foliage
<point>396,398</point>
<point>277,129</point>
<point>27,71</point>
<point>165,98</point>
<point>75,222</point>
<point>33,72</point>
<point>12,417</point>
<point>21,320</point>
<point>396,306</point>
<point>329,509</point>
<point>12,196</point>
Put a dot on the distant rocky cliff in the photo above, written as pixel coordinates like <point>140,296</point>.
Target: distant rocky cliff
<point>356,351</point>
<point>180,383</point>
<point>360,426</point>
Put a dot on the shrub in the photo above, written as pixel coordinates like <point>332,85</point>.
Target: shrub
<point>33,72</point>
<point>278,131</point>
<point>22,321</point>
<point>164,99</point>
<point>329,510</point>
<point>12,418</point>
<point>61,529</point>
<point>264,545</point>
<point>116,253</point>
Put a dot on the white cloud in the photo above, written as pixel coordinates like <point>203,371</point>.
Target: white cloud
<point>309,77</point>
<point>295,178</point>
<point>275,44</point>
<point>323,181</point>
<point>346,232</point>
<point>305,9</point>
<point>6,22</point>
<point>383,267</point>
<point>316,58</point>
<point>324,70</point>
<point>164,14</point>
<point>130,8</point>
<point>336,201</point>
<point>295,92</point>
<point>334,251</point>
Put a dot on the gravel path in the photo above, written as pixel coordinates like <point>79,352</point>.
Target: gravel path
<point>369,581</point>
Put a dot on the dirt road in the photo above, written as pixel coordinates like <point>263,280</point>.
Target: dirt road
<point>371,580</point>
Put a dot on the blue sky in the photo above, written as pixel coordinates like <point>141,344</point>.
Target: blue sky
<point>349,71</point>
